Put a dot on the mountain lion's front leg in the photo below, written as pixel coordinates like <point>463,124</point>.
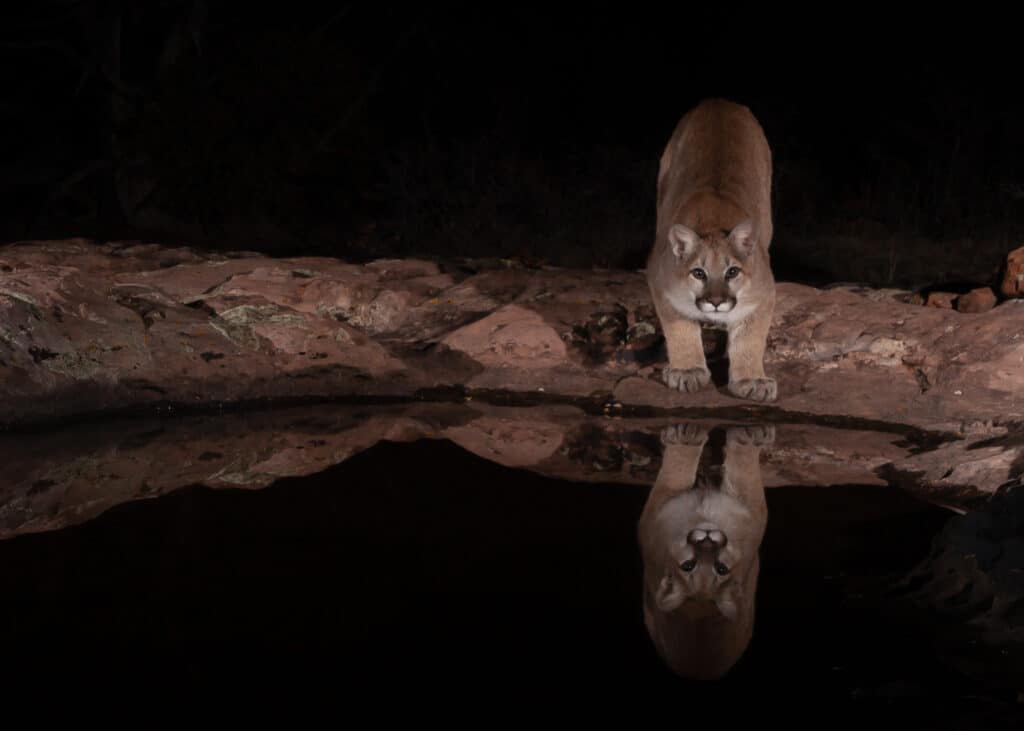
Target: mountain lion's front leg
<point>747,343</point>
<point>683,444</point>
<point>687,370</point>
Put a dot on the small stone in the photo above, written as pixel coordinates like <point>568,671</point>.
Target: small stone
<point>982,299</point>
<point>1013,276</point>
<point>943,300</point>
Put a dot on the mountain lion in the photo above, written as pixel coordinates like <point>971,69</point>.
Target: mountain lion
<point>709,264</point>
<point>699,533</point>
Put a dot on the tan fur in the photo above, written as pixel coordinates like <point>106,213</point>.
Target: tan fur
<point>700,622</point>
<point>714,213</point>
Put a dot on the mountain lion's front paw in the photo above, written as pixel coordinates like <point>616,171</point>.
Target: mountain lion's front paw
<point>686,379</point>
<point>757,435</point>
<point>755,389</point>
<point>685,433</point>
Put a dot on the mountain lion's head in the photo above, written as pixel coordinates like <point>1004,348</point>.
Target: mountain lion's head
<point>714,277</point>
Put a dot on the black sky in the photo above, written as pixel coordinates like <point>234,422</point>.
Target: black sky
<point>473,124</point>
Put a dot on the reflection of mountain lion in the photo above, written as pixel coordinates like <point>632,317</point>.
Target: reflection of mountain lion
<point>709,263</point>
<point>699,537</point>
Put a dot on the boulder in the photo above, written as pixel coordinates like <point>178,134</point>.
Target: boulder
<point>1013,274</point>
<point>981,299</point>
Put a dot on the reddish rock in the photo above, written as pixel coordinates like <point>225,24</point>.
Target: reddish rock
<point>982,299</point>
<point>1013,275</point>
<point>512,334</point>
<point>91,328</point>
<point>942,300</point>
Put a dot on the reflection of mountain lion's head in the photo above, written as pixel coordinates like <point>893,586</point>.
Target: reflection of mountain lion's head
<point>700,532</point>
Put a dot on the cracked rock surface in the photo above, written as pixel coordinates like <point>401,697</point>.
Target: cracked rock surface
<point>90,327</point>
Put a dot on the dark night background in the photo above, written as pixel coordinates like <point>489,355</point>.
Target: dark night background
<point>362,130</point>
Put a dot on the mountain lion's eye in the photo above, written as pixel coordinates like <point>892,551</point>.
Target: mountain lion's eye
<point>721,569</point>
<point>688,566</point>
<point>732,272</point>
<point>699,274</point>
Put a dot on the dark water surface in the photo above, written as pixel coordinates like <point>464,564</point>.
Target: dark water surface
<point>420,567</point>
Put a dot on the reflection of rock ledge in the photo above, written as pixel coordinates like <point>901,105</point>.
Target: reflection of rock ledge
<point>90,328</point>
<point>974,577</point>
<point>70,475</point>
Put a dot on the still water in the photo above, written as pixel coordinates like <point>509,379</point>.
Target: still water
<point>418,565</point>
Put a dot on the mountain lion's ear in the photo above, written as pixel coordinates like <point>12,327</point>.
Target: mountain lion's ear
<point>742,239</point>
<point>670,595</point>
<point>728,606</point>
<point>682,239</point>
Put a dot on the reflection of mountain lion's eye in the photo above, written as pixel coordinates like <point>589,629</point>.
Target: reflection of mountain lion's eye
<point>732,272</point>
<point>699,274</point>
<point>721,569</point>
<point>688,566</point>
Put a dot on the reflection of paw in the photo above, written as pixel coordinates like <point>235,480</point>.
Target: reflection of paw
<point>686,379</point>
<point>755,389</point>
<point>688,433</point>
<point>757,435</point>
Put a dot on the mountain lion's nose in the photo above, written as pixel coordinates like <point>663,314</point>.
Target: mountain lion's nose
<point>706,539</point>
<point>716,301</point>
